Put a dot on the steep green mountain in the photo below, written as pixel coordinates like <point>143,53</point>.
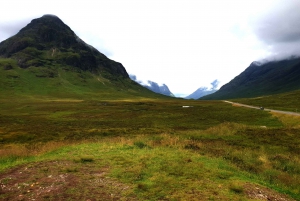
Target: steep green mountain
<point>262,79</point>
<point>47,58</point>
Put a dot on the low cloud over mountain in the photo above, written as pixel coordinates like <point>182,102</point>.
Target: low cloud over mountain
<point>279,29</point>
<point>153,86</point>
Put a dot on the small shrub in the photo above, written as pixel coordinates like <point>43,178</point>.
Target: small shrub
<point>85,159</point>
<point>140,145</point>
<point>236,188</point>
<point>71,169</point>
<point>192,146</point>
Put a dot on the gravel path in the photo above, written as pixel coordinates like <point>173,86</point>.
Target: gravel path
<point>265,109</point>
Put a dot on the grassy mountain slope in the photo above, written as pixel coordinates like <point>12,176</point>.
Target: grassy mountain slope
<point>258,80</point>
<point>64,81</point>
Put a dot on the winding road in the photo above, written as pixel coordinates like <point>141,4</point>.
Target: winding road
<point>265,109</point>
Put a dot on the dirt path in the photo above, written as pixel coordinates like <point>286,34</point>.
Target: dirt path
<point>68,180</point>
<point>61,180</point>
<point>265,109</point>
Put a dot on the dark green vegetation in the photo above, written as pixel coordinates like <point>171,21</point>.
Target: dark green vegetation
<point>289,101</point>
<point>64,81</point>
<point>259,80</point>
<point>34,120</point>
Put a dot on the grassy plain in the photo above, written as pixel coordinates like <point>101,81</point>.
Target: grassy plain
<point>289,101</point>
<point>148,149</point>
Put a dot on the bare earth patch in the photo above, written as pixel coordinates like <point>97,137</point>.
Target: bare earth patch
<point>87,181</point>
<point>262,193</point>
<point>61,180</point>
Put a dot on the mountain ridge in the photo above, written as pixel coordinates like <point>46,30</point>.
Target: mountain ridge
<point>262,79</point>
<point>48,38</point>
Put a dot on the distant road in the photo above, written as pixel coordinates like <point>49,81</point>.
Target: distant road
<point>265,109</point>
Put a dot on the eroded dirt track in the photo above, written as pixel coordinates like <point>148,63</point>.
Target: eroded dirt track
<point>269,110</point>
<point>69,180</point>
<point>61,180</point>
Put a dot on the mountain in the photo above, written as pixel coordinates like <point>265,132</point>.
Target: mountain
<point>262,79</point>
<point>203,91</point>
<point>153,86</point>
<point>47,41</point>
<point>200,92</point>
<point>47,58</point>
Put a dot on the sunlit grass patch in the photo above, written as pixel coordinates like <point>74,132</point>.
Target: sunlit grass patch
<point>289,121</point>
<point>236,187</point>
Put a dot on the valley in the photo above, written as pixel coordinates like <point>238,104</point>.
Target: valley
<point>73,126</point>
<point>145,149</point>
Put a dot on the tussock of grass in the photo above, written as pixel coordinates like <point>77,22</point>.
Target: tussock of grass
<point>236,187</point>
<point>288,120</point>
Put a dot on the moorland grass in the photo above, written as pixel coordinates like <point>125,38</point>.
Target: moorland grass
<point>289,101</point>
<point>168,169</point>
<point>165,151</point>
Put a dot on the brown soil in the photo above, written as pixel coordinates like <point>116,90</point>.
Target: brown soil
<point>61,180</point>
<point>71,180</point>
<point>262,193</point>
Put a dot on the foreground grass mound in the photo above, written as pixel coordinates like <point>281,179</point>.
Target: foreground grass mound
<point>145,149</point>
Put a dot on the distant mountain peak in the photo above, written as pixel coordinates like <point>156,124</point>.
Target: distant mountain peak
<point>153,86</point>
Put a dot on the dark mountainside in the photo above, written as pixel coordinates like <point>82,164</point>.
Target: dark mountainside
<point>153,86</point>
<point>258,80</point>
<point>47,41</point>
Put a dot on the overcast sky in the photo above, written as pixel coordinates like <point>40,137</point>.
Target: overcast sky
<point>185,44</point>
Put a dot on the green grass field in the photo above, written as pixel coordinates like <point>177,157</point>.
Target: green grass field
<point>155,148</point>
<point>289,101</point>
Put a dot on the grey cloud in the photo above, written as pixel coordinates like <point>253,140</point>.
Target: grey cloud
<point>133,77</point>
<point>9,29</point>
<point>104,51</point>
<point>281,24</point>
<point>279,29</point>
<point>215,84</point>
